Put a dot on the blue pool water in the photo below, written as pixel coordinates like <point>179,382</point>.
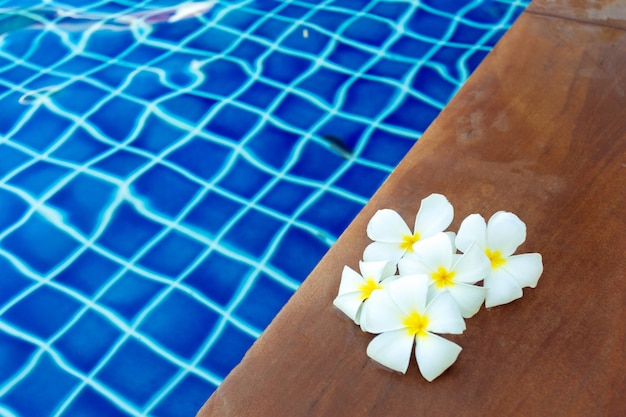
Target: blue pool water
<point>170,172</point>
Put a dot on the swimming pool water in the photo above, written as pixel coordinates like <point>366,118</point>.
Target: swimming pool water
<point>170,172</point>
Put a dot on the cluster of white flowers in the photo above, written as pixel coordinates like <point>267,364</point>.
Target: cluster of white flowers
<point>415,284</point>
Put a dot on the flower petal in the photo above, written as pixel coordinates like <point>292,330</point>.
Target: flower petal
<point>525,269</point>
<point>378,270</point>
<point>473,266</point>
<point>469,298</point>
<point>505,232</point>
<point>434,355</point>
<point>473,229</point>
<point>387,226</point>
<point>351,281</point>
<point>411,265</point>
<point>383,251</point>
<point>392,349</point>
<point>381,314</point>
<point>444,315</point>
<point>409,293</point>
<point>434,252</point>
<point>501,288</point>
<point>349,303</point>
<point>434,215</point>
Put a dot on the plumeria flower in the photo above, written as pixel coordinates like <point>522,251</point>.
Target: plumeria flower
<point>402,316</point>
<point>449,272</point>
<point>498,240</point>
<point>393,238</point>
<point>356,289</point>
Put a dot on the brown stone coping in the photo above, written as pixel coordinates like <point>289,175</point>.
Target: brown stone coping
<point>539,130</point>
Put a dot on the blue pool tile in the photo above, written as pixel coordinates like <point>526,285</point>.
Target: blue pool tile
<point>136,372</point>
<point>361,180</point>
<point>157,134</point>
<point>179,324</point>
<point>329,19</point>
<point>390,68</point>
<point>286,197</point>
<point>271,29</point>
<point>227,351</point>
<point>129,294</point>
<point>13,282</point>
<point>232,122</point>
<point>201,157</point>
<point>324,83</point>
<point>492,13</point>
<point>31,134</point>
<point>428,24</point>
<point>147,53</point>
<point>172,254</point>
<point>446,6</point>
<point>262,301</point>
<point>393,11</point>
<point>87,341</point>
<point>386,147</point>
<point>14,355</point>
<point>223,77</point>
<point>290,257</point>
<point>42,312</point>
<point>12,112</point>
<point>187,107</point>
<point>282,67</point>
<point>88,272</point>
<point>80,147</point>
<point>117,118</point>
<point>210,214</point>
<point>177,31</point>
<point>369,98</point>
<point>121,163</point>
<point>449,57</point>
<point>272,145</point>
<point>348,131</point>
<point>79,97</point>
<point>47,382</point>
<point>466,34</point>
<point>48,51</point>
<point>314,42</point>
<point>165,190</point>
<point>244,179</point>
<point>299,112</point>
<point>83,200</point>
<point>326,215</point>
<point>411,47</point>
<point>316,162</point>
<point>12,208</point>
<point>188,394</point>
<point>213,39</point>
<point>113,75</point>
<point>77,64</point>
<point>38,178</point>
<point>128,231</point>
<point>109,44</point>
<point>368,31</point>
<point>413,114</point>
<point>293,11</point>
<point>90,402</point>
<point>474,60</point>
<point>259,95</point>
<point>10,159</point>
<point>218,277</point>
<point>238,20</point>
<point>431,83</point>
<point>18,74</point>
<point>247,52</point>
<point>39,244</point>
<point>144,85</point>
<point>253,233</point>
<point>349,57</point>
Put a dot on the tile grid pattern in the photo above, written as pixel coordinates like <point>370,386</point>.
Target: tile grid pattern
<point>93,302</point>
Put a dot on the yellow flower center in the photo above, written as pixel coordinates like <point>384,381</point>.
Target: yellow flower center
<point>370,286</point>
<point>416,324</point>
<point>408,241</point>
<point>443,277</point>
<point>495,257</point>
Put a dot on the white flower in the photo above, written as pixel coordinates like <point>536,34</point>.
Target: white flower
<point>401,315</point>
<point>449,272</point>
<point>498,240</point>
<point>355,289</point>
<point>393,238</point>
